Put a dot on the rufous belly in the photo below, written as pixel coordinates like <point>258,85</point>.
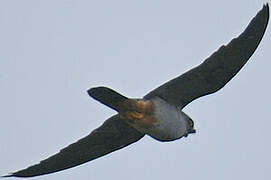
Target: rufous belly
<point>138,112</point>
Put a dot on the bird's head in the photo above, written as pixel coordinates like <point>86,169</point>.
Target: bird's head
<point>189,125</point>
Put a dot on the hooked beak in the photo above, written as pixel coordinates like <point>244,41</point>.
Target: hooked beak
<point>192,131</point>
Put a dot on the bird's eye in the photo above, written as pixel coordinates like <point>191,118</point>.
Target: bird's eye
<point>191,123</point>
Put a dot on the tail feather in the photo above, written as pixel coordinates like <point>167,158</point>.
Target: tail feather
<point>107,97</point>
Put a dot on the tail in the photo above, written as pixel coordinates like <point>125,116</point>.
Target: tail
<point>108,97</point>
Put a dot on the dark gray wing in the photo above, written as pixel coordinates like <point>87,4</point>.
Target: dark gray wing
<point>218,69</point>
<point>114,134</point>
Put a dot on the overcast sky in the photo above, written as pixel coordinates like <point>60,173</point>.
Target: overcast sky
<point>51,52</point>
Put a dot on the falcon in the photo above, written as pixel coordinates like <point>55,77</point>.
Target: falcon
<point>159,113</point>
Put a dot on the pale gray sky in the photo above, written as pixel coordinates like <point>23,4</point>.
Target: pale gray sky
<point>53,51</point>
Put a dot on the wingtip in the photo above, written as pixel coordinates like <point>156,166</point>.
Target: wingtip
<point>8,175</point>
<point>266,6</point>
<point>264,14</point>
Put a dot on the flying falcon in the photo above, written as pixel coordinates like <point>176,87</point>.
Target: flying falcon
<point>159,113</point>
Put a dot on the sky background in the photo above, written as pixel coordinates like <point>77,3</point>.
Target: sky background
<point>51,52</point>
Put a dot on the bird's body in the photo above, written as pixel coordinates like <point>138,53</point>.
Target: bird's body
<point>163,121</point>
<point>159,113</point>
<point>171,123</point>
<point>153,116</point>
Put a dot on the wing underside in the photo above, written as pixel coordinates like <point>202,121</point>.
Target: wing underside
<point>114,134</point>
<point>218,69</point>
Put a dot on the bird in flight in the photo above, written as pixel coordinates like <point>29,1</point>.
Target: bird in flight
<point>159,113</point>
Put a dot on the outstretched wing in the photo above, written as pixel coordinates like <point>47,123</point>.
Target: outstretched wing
<point>218,69</point>
<point>114,134</point>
